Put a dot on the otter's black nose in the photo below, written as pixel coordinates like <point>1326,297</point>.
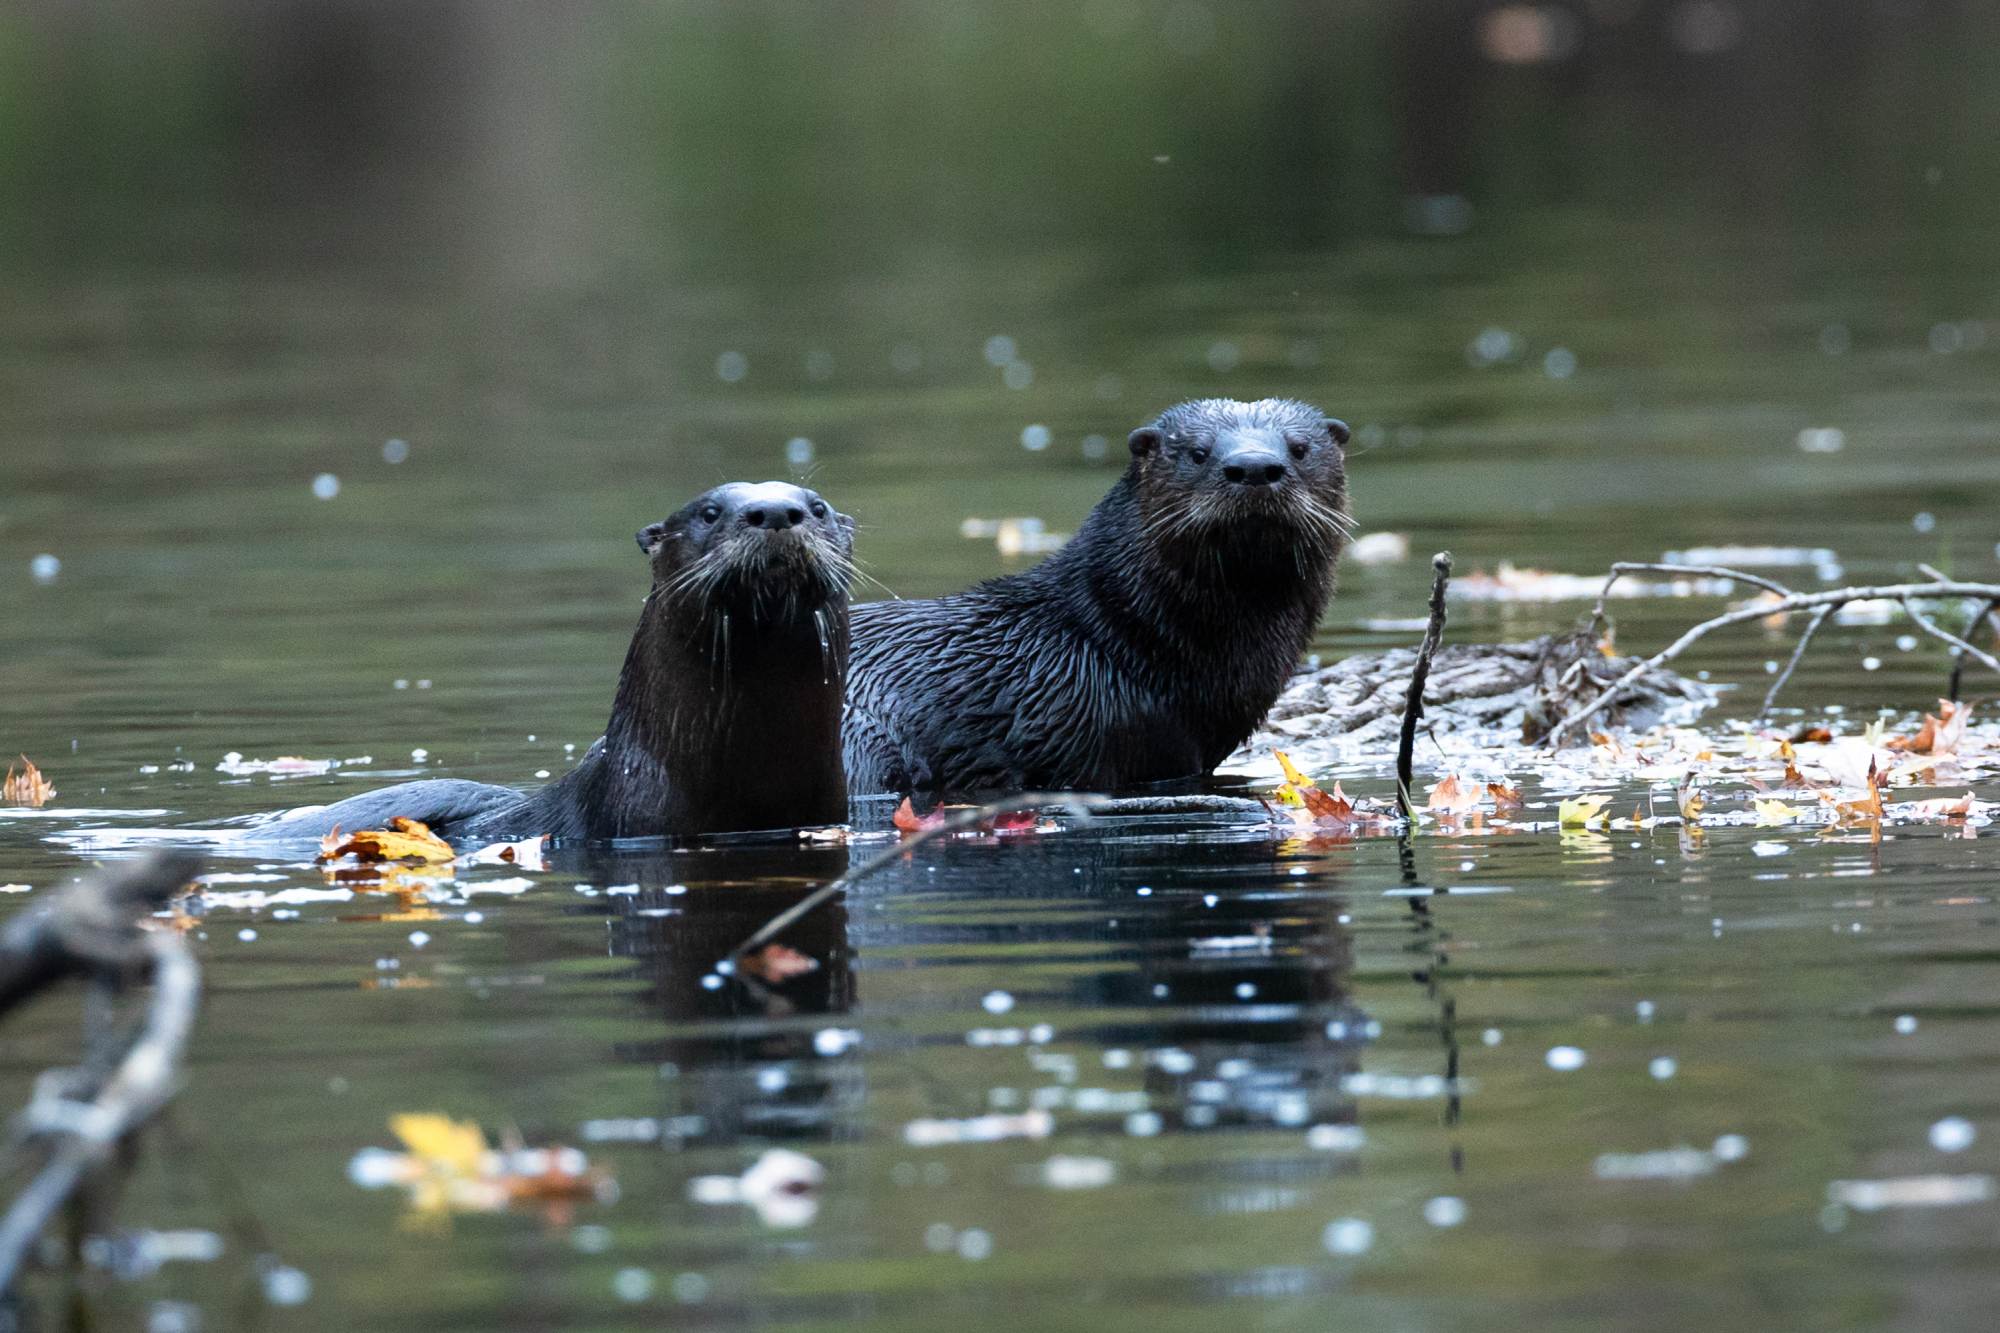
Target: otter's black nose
<point>1254,467</point>
<point>776,517</point>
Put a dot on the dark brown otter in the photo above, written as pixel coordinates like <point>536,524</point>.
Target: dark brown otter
<point>1143,651</point>
<point>727,715</point>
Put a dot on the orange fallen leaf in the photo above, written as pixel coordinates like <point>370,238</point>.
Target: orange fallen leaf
<point>777,964</point>
<point>1504,797</point>
<point>1691,799</point>
<point>1941,734</point>
<point>1449,796</point>
<point>1811,735</point>
<point>28,787</point>
<point>403,840</point>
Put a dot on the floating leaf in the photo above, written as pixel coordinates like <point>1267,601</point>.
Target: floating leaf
<point>1692,800</point>
<point>1580,811</point>
<point>28,787</point>
<point>441,1142</point>
<point>1504,796</point>
<point>1775,812</point>
<point>777,964</point>
<point>1449,796</point>
<point>403,840</point>
<point>1942,807</point>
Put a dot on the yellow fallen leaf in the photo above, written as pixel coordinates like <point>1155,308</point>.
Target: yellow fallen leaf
<point>1691,799</point>
<point>403,840</point>
<point>1775,812</point>
<point>1580,811</point>
<point>455,1145</point>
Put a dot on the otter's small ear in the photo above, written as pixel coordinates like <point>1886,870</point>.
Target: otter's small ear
<point>651,536</point>
<point>1338,429</point>
<point>1145,440</point>
<point>846,522</point>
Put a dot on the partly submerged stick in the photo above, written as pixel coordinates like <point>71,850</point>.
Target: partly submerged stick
<point>1413,702</point>
<point>1077,803</point>
<point>97,931</point>
<point>1782,603</point>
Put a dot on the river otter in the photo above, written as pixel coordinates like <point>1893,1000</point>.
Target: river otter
<point>727,715</point>
<point>1146,649</point>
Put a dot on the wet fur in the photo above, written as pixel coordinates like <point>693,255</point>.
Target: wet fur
<point>1145,650</point>
<point>726,717</point>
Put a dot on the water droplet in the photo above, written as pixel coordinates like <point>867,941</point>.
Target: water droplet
<point>1035,438</point>
<point>1492,1037</point>
<point>1731,1148</point>
<point>1000,349</point>
<point>285,1285</point>
<point>326,486</point>
<point>395,451</point>
<point>1017,375</point>
<point>690,1288</point>
<point>1224,356</point>
<point>731,367</point>
<point>1348,1235</point>
<point>1905,1024</point>
<point>44,568</point>
<point>1565,1058</point>
<point>1559,364</point>
<point>997,1002</point>
<point>246,934</point>
<point>799,451</point>
<point>419,938</point>
<point>632,1285</point>
<point>1444,1211</point>
<point>1663,1067</point>
<point>974,1244</point>
<point>1953,1134</point>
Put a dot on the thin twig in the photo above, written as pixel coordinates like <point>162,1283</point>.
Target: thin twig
<point>1077,803</point>
<point>1624,567</point>
<point>1991,612</point>
<point>1798,601</point>
<point>1937,631</point>
<point>1771,695</point>
<point>1413,702</point>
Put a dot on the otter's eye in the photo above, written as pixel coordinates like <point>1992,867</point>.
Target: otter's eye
<point>819,508</point>
<point>1300,448</point>
<point>709,513</point>
<point>1198,454</point>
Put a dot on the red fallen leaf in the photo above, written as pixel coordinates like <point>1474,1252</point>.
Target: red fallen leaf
<point>1812,735</point>
<point>908,820</point>
<point>1322,805</point>
<point>777,964</point>
<point>1504,797</point>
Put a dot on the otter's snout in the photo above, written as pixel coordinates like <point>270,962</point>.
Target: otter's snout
<point>775,517</point>
<point>1251,463</point>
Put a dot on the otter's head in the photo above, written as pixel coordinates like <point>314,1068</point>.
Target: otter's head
<point>769,549</point>
<point>1270,473</point>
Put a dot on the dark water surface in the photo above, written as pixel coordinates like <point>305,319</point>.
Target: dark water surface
<point>596,270</point>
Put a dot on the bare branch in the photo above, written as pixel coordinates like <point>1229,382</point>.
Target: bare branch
<point>1077,803</point>
<point>1624,567</point>
<point>1413,702</point>
<point>1771,695</point>
<point>1937,631</point>
<point>1797,601</point>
